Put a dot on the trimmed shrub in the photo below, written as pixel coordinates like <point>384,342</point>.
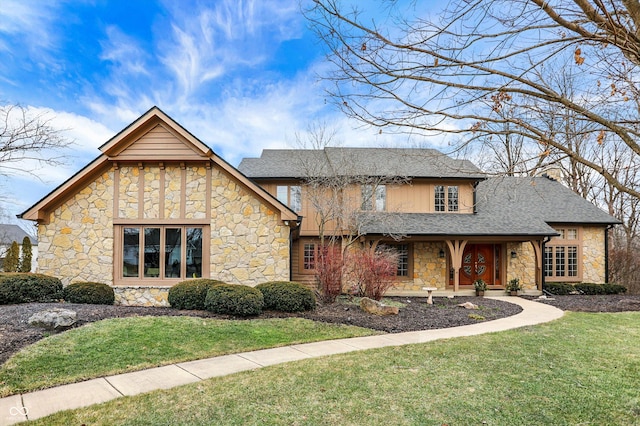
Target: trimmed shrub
<point>89,292</point>
<point>559,289</point>
<point>27,287</point>
<point>589,288</point>
<point>191,294</point>
<point>614,289</point>
<point>234,299</point>
<point>286,296</point>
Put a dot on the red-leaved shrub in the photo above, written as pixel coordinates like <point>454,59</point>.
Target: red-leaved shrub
<point>371,272</point>
<point>329,268</point>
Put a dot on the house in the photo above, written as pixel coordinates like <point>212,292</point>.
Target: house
<point>10,233</point>
<point>449,223</point>
<point>156,207</point>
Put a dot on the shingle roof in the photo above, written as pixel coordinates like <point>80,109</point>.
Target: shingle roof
<point>10,233</point>
<point>523,206</point>
<point>402,162</point>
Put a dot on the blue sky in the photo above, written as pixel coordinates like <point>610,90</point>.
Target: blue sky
<point>240,75</point>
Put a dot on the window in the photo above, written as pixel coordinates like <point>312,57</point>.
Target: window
<point>561,256</point>
<point>291,195</point>
<point>446,198</point>
<point>404,258</point>
<point>159,252</point>
<point>309,257</point>
<point>374,197</point>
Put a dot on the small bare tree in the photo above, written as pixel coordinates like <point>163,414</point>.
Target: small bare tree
<point>25,135</point>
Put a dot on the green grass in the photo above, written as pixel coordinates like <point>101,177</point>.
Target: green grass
<point>583,369</point>
<point>127,344</point>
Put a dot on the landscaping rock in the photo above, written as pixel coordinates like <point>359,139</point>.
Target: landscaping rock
<point>53,319</point>
<point>629,304</point>
<point>468,305</point>
<point>374,307</point>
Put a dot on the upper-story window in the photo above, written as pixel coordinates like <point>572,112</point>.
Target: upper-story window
<point>374,197</point>
<point>291,196</point>
<point>561,255</point>
<point>446,198</point>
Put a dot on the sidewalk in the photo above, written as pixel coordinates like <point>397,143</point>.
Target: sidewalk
<point>34,405</point>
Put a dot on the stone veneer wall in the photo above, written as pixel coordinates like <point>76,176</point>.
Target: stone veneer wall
<point>523,266</point>
<point>249,245</point>
<point>77,243</point>
<point>593,255</point>
<point>429,269</point>
<point>141,296</point>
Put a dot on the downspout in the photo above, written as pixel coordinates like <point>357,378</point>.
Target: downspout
<point>606,253</point>
<point>475,197</point>
<point>542,271</point>
<point>291,231</point>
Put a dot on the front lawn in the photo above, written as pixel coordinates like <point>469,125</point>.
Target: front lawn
<point>126,344</point>
<point>582,369</point>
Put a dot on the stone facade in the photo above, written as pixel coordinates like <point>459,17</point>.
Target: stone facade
<point>141,296</point>
<point>429,269</point>
<point>249,245</point>
<point>77,242</point>
<point>593,255</point>
<point>523,266</point>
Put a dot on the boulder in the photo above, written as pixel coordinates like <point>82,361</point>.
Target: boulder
<point>468,305</point>
<point>629,304</point>
<point>53,319</point>
<point>374,307</point>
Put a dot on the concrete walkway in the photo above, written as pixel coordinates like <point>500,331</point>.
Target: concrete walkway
<point>33,405</point>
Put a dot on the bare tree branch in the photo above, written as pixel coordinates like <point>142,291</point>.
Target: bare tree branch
<point>459,76</point>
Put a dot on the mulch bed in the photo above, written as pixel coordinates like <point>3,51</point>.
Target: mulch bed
<point>15,333</point>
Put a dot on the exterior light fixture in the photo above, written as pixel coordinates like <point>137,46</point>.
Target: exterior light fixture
<point>441,253</point>
<point>514,254</point>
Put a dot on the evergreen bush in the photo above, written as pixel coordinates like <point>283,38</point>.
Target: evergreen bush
<point>286,296</point>
<point>559,289</point>
<point>89,292</point>
<point>12,258</point>
<point>614,289</point>
<point>233,299</point>
<point>27,255</point>
<point>28,287</point>
<point>191,294</point>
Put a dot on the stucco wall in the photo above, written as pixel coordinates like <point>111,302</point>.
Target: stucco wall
<point>77,243</point>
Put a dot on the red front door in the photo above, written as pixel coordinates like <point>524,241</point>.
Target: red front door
<point>480,261</point>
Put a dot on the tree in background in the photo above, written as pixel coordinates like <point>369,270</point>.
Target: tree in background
<point>521,84</point>
<point>27,255</point>
<point>457,72</point>
<point>25,135</point>
<point>12,258</point>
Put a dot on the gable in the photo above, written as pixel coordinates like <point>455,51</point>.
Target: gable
<point>151,140</point>
<point>159,143</point>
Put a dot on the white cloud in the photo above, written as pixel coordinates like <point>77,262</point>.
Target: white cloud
<point>31,20</point>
